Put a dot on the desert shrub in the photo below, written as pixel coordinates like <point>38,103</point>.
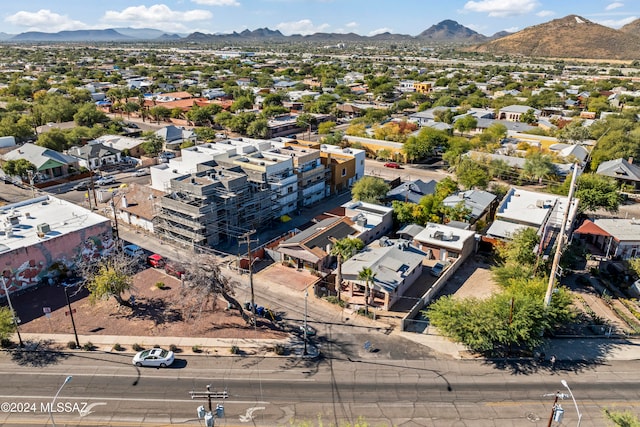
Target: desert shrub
<point>118,347</point>
<point>173,348</point>
<point>160,285</point>
<point>234,349</point>
<point>137,347</point>
<point>88,346</point>
<point>71,345</point>
<point>196,349</point>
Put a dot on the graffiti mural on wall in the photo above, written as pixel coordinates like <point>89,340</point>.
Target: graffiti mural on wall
<point>42,263</point>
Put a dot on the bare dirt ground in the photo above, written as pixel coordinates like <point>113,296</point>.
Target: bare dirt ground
<point>155,312</point>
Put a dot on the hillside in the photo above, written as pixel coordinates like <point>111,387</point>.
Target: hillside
<point>568,37</point>
<point>632,28</point>
<point>449,30</point>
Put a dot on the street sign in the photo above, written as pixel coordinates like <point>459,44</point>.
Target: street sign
<point>46,310</point>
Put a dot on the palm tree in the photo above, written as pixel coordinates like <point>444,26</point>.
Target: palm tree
<point>344,249</point>
<point>367,275</point>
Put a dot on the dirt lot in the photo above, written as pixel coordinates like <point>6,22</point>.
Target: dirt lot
<point>155,312</point>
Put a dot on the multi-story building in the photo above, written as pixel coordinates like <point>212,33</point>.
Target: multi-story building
<point>210,206</point>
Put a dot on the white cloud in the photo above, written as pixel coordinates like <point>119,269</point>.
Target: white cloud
<point>157,16</point>
<point>380,31</point>
<point>613,23</point>
<point>502,8</point>
<point>44,20</point>
<point>217,2</point>
<point>303,27</point>
<point>352,24</point>
<point>614,5</point>
<point>545,13</point>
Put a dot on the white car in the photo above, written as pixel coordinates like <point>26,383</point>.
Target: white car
<point>106,180</point>
<point>141,172</point>
<point>156,357</point>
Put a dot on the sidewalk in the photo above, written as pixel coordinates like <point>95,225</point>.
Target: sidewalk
<point>187,345</point>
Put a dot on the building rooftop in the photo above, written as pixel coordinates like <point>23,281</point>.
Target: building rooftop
<point>443,236</point>
<point>44,218</point>
<point>621,229</point>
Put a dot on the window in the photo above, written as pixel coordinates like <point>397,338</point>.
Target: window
<point>344,171</point>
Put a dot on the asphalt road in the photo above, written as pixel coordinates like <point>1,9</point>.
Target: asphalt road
<point>277,391</point>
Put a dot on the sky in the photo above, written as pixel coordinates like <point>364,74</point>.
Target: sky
<point>364,17</point>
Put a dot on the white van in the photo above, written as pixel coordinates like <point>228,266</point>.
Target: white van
<point>134,251</point>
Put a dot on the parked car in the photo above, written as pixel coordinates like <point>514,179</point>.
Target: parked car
<point>174,269</point>
<point>437,269</point>
<point>156,260</point>
<point>311,331</point>
<point>141,172</point>
<point>106,180</point>
<point>392,165</point>
<point>167,155</point>
<point>134,251</point>
<point>131,125</point>
<point>81,186</point>
<point>156,357</point>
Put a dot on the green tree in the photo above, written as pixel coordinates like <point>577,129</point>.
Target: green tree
<point>55,139</point>
<point>529,117</point>
<point>538,166</point>
<point>152,145</point>
<point>7,326</point>
<point>326,127</point>
<point>370,189</point>
<point>622,419</point>
<point>344,249</point>
<point>594,192</point>
<point>520,249</point>
<point>112,277</point>
<point>472,174</point>
<point>258,128</point>
<point>88,115</point>
<point>465,123</point>
<point>18,167</point>
<point>368,276</point>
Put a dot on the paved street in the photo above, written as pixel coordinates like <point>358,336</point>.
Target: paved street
<point>411,392</point>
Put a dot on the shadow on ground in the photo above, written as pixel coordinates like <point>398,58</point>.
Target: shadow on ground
<point>37,354</point>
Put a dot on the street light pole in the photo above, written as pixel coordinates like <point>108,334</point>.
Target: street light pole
<point>53,402</point>
<point>564,383</point>
<point>13,313</point>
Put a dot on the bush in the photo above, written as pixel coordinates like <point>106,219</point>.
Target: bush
<point>72,345</point>
<point>137,347</point>
<point>118,347</point>
<point>160,285</point>
<point>196,349</point>
<point>234,349</point>
<point>88,346</point>
<point>280,350</point>
<point>334,300</point>
<point>6,343</point>
<point>173,348</point>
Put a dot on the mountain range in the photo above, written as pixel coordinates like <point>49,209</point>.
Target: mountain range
<point>569,37</point>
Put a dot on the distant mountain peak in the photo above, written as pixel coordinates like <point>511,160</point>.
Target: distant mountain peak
<point>450,30</point>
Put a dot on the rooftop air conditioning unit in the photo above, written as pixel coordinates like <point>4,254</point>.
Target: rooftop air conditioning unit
<point>43,228</point>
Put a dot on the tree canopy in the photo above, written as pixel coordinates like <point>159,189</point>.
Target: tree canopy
<point>369,189</point>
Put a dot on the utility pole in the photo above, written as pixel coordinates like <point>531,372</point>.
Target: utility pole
<point>13,313</point>
<point>560,240</point>
<point>208,394</point>
<point>73,323</point>
<point>115,222</point>
<point>248,241</point>
<point>556,410</point>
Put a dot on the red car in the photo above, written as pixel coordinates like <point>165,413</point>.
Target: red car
<point>155,260</point>
<point>392,165</point>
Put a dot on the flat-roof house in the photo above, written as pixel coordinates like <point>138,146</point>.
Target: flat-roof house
<point>395,264</point>
<point>615,237</point>
<point>445,243</point>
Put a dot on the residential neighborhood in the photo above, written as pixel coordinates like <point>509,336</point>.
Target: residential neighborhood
<point>424,196</point>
